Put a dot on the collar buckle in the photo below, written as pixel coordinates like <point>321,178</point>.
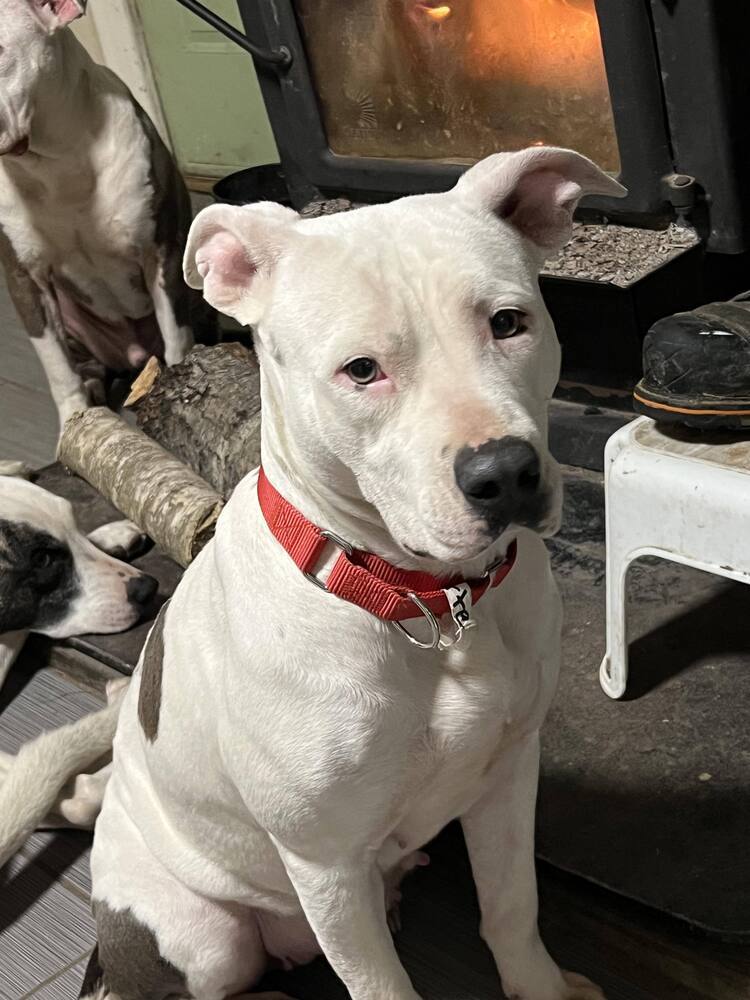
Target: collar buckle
<point>345,547</point>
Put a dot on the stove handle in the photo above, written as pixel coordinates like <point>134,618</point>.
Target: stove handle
<point>281,58</point>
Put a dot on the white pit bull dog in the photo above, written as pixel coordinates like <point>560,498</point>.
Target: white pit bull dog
<point>93,212</point>
<point>282,752</point>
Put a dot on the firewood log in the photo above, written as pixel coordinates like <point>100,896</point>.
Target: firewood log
<point>205,411</point>
<point>166,499</point>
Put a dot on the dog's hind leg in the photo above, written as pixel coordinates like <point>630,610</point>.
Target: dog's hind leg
<point>34,778</point>
<point>80,800</point>
<point>157,937</point>
<point>195,948</point>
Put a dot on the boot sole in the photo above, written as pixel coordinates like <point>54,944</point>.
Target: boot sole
<point>693,412</point>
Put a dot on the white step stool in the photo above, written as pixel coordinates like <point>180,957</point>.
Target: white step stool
<point>678,495</point>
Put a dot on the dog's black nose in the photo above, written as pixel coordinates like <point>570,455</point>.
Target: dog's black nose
<point>500,479</point>
<point>140,589</point>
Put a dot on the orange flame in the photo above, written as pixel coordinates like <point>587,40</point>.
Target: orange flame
<point>437,14</point>
<point>553,41</point>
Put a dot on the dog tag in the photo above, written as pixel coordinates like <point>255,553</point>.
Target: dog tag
<point>459,601</point>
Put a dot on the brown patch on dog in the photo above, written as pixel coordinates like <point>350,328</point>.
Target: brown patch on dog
<point>172,214</point>
<point>129,962</point>
<point>149,696</point>
<point>24,293</point>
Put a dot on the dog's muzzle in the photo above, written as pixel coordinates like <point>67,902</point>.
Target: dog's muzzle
<point>140,589</point>
<point>502,482</point>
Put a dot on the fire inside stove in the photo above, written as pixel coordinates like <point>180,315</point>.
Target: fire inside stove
<point>457,80</point>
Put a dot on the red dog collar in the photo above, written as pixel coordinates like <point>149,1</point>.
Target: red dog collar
<point>364,579</point>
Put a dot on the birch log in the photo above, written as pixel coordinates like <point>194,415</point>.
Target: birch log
<point>166,499</point>
<point>205,410</point>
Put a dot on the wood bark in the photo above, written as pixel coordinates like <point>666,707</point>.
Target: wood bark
<point>206,411</point>
<point>165,498</point>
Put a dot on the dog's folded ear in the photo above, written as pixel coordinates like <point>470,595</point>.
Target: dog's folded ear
<point>56,14</point>
<point>229,249</point>
<point>536,190</point>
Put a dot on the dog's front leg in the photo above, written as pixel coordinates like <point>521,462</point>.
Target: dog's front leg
<point>40,313</point>
<point>177,336</point>
<point>499,832</point>
<point>344,903</point>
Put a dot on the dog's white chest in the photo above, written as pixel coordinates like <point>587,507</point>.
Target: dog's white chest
<point>473,711</point>
<point>82,220</point>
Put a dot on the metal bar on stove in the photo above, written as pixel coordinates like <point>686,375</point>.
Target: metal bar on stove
<point>280,58</point>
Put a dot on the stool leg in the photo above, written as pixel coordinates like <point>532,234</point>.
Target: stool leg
<point>613,673</point>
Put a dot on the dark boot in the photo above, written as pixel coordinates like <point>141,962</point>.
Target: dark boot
<point>696,367</point>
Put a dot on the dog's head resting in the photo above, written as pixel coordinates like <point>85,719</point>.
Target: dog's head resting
<point>28,60</point>
<point>53,580</point>
<point>407,355</point>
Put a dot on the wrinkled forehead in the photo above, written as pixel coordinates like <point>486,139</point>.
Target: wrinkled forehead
<point>390,260</point>
<point>18,21</point>
<point>23,502</point>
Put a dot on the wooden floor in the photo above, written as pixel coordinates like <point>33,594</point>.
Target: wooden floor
<point>28,419</point>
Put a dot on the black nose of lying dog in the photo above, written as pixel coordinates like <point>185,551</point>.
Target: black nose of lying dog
<point>140,589</point>
<point>500,479</point>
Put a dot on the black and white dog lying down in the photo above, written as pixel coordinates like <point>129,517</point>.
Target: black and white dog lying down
<point>57,581</point>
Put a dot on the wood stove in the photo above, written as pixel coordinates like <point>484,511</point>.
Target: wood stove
<point>372,99</point>
<point>387,97</point>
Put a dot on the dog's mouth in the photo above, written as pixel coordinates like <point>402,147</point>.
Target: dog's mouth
<point>449,551</point>
<point>19,148</point>
<point>540,518</point>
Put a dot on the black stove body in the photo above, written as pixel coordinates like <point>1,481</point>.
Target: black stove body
<point>678,76</point>
<point>373,99</point>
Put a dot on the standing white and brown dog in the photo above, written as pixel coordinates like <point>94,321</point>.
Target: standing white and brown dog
<point>282,750</point>
<point>93,211</point>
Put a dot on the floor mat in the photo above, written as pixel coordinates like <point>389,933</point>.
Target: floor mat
<point>650,795</point>
<point>46,927</point>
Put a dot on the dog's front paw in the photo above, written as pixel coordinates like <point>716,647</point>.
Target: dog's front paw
<point>542,980</point>
<point>580,988</point>
<point>121,539</point>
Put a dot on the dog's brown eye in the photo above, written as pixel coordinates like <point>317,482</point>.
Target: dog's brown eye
<point>42,558</point>
<point>506,323</point>
<point>362,370</point>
